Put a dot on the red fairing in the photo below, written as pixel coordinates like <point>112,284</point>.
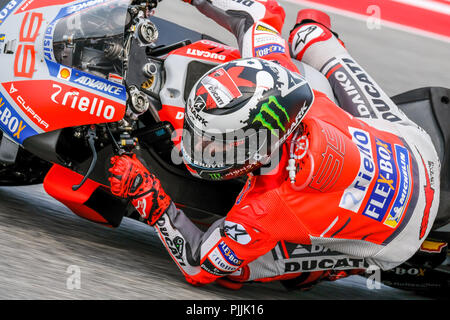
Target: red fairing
<point>54,105</point>
<point>209,51</point>
<point>174,115</point>
<point>31,5</point>
<point>58,184</point>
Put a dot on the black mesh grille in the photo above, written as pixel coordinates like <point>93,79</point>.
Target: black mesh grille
<point>195,71</point>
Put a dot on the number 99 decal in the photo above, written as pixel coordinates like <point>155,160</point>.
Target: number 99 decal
<point>25,58</point>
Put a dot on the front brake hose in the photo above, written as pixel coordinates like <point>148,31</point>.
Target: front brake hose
<point>91,140</point>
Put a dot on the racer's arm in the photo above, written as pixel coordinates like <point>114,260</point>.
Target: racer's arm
<point>256,24</point>
<point>202,257</point>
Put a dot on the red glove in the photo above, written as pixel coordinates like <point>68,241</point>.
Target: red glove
<point>130,179</point>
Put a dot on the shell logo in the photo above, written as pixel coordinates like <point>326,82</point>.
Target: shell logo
<point>64,73</point>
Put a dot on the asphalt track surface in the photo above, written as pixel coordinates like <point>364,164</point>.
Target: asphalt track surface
<point>41,240</point>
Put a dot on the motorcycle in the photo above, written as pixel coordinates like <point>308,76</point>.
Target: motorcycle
<point>85,80</point>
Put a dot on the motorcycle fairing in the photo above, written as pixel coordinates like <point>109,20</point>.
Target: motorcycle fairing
<point>31,80</point>
<point>12,122</point>
<point>8,9</point>
<point>32,5</point>
<point>208,50</point>
<point>91,201</point>
<point>113,90</point>
<point>62,105</point>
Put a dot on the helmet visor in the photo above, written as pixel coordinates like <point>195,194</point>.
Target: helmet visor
<point>221,152</point>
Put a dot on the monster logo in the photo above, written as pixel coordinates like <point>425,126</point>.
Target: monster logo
<point>215,176</point>
<point>272,109</point>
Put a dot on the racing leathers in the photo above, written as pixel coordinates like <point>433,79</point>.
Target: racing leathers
<point>357,185</point>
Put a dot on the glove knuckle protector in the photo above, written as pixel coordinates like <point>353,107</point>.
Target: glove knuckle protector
<point>130,179</point>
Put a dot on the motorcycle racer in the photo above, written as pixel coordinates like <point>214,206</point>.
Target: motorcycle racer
<point>353,181</point>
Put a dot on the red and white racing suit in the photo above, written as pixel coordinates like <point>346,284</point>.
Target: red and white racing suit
<point>364,183</point>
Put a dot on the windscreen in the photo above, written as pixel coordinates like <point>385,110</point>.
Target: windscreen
<point>89,36</point>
